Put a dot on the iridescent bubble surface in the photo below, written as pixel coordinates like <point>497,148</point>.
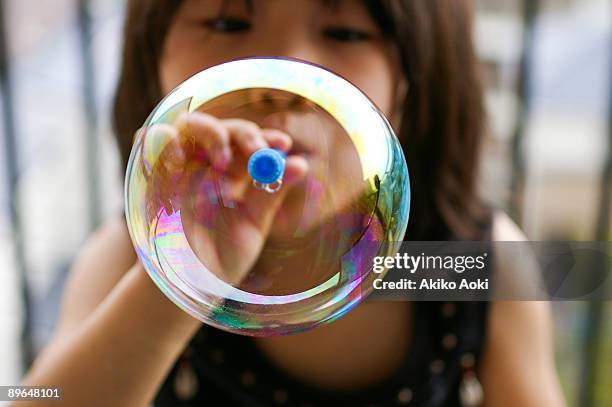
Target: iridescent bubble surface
<point>255,261</point>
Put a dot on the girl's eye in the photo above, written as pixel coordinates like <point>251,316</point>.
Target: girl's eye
<point>346,34</point>
<point>228,25</point>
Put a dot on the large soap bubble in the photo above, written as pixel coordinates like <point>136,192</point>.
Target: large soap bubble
<point>230,243</point>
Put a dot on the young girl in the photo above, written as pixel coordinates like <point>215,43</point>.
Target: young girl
<point>121,342</point>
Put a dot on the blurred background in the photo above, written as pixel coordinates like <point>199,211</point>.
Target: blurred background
<point>547,161</point>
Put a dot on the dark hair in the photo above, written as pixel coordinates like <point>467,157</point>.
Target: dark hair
<point>442,120</point>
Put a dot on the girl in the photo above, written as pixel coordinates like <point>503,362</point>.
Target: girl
<point>120,342</point>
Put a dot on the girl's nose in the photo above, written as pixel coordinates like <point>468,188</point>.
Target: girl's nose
<point>275,100</point>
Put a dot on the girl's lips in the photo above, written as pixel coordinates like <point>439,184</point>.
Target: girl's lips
<point>306,151</point>
<point>306,131</point>
<point>303,135</point>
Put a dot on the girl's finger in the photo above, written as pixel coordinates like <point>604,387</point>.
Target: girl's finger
<point>238,178</point>
<point>238,174</point>
<point>247,136</point>
<point>277,139</point>
<point>203,131</point>
<point>160,142</point>
<point>261,206</point>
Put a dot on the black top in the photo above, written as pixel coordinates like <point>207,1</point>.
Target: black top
<point>223,369</point>
<point>218,368</point>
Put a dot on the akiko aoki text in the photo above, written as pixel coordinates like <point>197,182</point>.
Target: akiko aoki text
<point>432,284</point>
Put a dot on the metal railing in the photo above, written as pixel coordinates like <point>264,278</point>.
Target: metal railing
<point>12,173</point>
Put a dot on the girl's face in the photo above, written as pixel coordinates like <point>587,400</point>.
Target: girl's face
<point>339,35</point>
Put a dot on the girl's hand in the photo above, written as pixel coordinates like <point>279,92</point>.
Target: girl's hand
<point>202,172</point>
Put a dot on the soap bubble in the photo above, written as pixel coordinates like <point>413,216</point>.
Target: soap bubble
<point>226,237</point>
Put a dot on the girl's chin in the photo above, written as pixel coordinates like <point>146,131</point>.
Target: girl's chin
<point>290,224</point>
<point>286,228</point>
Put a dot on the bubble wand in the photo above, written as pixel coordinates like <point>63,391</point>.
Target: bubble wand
<point>267,167</point>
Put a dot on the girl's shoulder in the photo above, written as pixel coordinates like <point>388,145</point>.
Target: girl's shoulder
<point>516,267</point>
<point>504,229</point>
<point>518,332</point>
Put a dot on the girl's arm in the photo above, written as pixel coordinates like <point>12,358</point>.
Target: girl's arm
<point>115,343</point>
<point>118,335</point>
<point>518,366</point>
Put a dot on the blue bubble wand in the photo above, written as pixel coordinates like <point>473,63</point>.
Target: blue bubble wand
<point>266,167</point>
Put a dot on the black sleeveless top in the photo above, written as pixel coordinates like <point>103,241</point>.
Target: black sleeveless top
<point>223,369</point>
<point>218,368</point>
